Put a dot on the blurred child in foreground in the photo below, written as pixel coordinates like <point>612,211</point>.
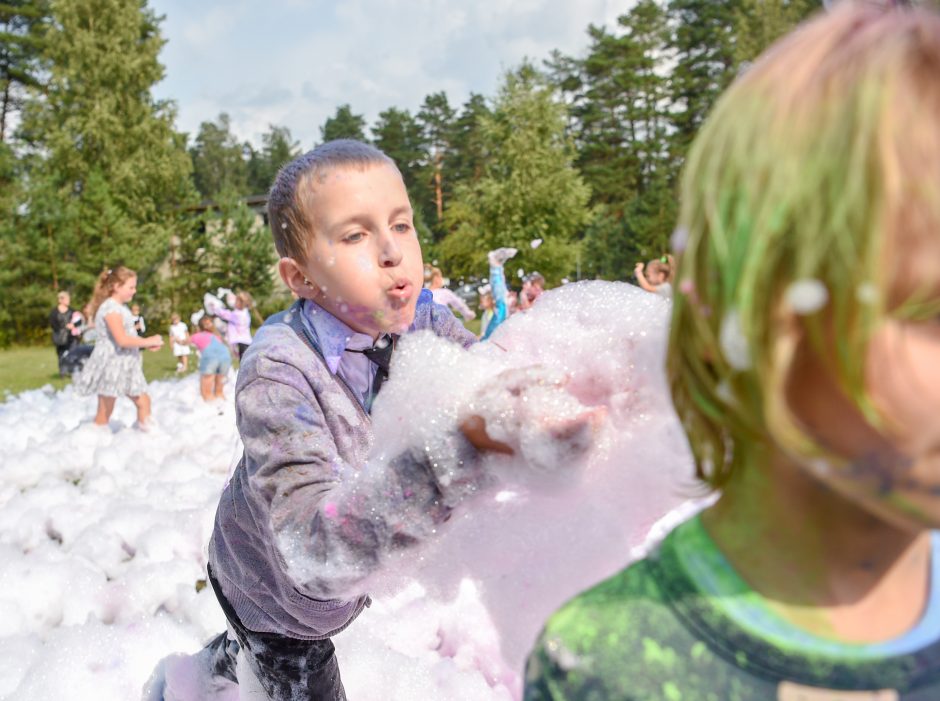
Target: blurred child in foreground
<point>805,366</point>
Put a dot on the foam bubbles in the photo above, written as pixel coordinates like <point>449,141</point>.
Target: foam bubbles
<point>103,532</point>
<point>734,344</point>
<point>544,536</point>
<point>806,296</point>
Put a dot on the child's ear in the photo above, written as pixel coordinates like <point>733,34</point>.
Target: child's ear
<point>294,278</point>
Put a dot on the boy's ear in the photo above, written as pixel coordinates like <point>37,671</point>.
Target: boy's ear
<point>294,278</point>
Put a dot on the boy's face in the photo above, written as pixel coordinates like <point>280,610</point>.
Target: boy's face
<point>903,380</point>
<point>895,472</point>
<point>364,261</point>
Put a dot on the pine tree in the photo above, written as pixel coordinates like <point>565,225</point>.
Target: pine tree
<point>219,162</point>
<point>399,135</point>
<point>343,125</point>
<point>704,40</point>
<point>106,172</point>
<point>618,99</point>
<point>465,160</point>
<point>437,119</point>
<point>529,189</point>
<point>22,27</point>
<point>278,148</point>
<point>762,22</point>
<point>245,247</point>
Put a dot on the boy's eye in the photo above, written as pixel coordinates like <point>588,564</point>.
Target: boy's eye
<point>401,227</point>
<point>353,238</point>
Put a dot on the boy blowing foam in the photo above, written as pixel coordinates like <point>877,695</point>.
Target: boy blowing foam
<point>805,366</point>
<point>304,522</point>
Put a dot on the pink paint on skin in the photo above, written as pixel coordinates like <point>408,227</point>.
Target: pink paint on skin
<point>330,510</point>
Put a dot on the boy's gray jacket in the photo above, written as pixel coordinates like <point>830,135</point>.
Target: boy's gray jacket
<point>303,522</point>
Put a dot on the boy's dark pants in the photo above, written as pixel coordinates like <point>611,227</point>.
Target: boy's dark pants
<point>288,669</point>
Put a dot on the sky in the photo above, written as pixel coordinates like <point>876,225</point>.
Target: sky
<point>293,62</point>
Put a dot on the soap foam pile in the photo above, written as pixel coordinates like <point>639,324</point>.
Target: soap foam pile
<point>103,533</point>
<point>542,537</point>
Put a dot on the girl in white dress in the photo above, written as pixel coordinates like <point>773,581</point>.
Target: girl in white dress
<point>114,368</point>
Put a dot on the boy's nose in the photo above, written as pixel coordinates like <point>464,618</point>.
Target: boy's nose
<point>389,252</point>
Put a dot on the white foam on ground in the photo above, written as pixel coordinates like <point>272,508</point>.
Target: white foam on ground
<point>103,533</point>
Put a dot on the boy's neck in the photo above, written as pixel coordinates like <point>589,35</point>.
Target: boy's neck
<point>821,561</point>
<point>349,323</point>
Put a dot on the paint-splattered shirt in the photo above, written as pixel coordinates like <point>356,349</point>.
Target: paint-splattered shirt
<point>308,517</point>
<point>681,625</point>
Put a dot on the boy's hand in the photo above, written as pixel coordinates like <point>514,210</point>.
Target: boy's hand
<point>638,268</point>
<point>474,429</point>
<point>528,411</point>
<point>154,342</point>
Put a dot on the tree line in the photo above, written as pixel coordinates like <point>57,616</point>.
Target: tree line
<point>573,161</point>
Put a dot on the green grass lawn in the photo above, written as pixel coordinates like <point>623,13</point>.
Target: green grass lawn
<point>30,367</point>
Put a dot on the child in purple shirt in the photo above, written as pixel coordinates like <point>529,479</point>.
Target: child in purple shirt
<point>307,520</point>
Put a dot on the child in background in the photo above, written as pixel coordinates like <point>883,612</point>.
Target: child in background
<point>60,321</point>
<point>238,329</point>
<point>307,520</point>
<point>501,304</point>
<point>139,324</point>
<point>214,360</point>
<point>533,285</point>
<point>657,277</point>
<point>114,368</point>
<point>179,335</point>
<point>434,281</point>
<point>486,304</point>
<point>78,325</point>
<point>803,360</point>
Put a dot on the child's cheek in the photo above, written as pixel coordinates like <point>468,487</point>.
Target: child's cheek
<point>364,264</point>
<point>904,379</point>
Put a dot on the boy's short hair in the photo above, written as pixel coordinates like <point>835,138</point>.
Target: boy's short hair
<point>806,192</point>
<point>288,200</point>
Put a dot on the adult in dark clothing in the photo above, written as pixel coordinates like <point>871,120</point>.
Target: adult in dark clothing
<point>60,319</point>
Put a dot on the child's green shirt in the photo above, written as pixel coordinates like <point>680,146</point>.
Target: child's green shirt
<point>682,626</point>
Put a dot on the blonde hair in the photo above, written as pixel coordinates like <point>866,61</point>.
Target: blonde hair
<point>246,299</point>
<point>108,280</point>
<point>431,272</point>
<point>816,172</point>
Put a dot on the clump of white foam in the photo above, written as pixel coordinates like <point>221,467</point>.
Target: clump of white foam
<point>734,344</point>
<point>807,296</point>
<point>540,538</point>
<point>103,533</point>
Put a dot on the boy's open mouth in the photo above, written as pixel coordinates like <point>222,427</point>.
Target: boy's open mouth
<point>401,291</point>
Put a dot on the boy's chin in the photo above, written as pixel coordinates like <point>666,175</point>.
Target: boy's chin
<point>400,324</point>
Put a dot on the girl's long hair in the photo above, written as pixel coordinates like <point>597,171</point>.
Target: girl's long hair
<point>108,280</point>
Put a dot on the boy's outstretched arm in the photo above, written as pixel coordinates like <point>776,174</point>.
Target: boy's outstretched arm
<point>332,522</point>
<point>335,524</point>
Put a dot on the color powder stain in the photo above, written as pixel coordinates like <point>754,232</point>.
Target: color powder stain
<point>654,653</point>
<point>330,510</point>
